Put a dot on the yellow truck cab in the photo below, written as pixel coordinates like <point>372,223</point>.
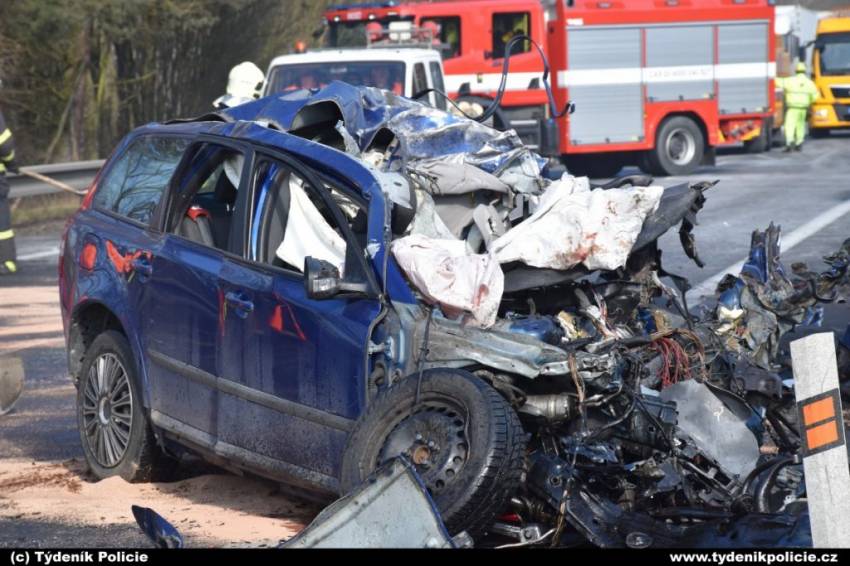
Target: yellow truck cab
<point>831,74</point>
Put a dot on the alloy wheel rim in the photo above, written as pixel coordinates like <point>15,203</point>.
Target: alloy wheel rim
<point>107,410</point>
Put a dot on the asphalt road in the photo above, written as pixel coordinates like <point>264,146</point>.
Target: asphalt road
<point>806,193</point>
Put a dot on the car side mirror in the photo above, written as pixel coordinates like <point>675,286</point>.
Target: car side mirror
<point>322,280</point>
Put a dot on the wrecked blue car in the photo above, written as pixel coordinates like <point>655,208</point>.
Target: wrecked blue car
<point>309,285</point>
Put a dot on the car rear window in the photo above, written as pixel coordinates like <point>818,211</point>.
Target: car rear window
<point>137,180</point>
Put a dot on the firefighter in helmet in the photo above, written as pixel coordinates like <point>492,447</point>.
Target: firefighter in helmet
<point>800,92</point>
<point>7,164</point>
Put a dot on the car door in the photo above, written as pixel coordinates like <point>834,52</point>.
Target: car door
<point>124,227</point>
<point>182,301</point>
<point>291,395</point>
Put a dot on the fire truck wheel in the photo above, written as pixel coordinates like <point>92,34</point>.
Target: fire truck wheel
<point>644,163</point>
<point>761,142</point>
<point>679,147</point>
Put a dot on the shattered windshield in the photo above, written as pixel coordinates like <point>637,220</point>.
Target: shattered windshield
<point>834,49</point>
<point>388,75</point>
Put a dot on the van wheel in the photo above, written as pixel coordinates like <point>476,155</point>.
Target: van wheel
<point>463,438</point>
<point>679,147</point>
<point>114,429</point>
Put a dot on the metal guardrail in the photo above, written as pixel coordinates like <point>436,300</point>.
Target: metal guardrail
<point>78,174</point>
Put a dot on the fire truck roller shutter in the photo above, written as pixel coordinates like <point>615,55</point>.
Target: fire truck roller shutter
<point>679,63</point>
<point>743,71</point>
<point>603,78</point>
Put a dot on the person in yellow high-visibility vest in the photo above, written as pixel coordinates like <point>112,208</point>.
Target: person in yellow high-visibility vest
<point>7,236</point>
<point>800,92</point>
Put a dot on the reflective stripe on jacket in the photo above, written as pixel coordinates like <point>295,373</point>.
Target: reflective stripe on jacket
<point>7,144</point>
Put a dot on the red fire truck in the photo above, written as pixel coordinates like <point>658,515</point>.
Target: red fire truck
<point>656,83</point>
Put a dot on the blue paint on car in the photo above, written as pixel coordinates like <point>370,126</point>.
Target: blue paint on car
<point>234,359</point>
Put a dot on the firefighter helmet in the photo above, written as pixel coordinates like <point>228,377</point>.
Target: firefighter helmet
<point>245,80</point>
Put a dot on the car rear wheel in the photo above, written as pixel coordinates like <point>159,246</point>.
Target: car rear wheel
<point>463,438</point>
<point>114,429</point>
<point>679,147</point>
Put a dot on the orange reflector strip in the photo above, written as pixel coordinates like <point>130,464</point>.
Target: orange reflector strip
<point>88,257</point>
<point>821,435</point>
<point>818,411</point>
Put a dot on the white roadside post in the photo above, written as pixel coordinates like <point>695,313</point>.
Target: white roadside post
<point>822,433</point>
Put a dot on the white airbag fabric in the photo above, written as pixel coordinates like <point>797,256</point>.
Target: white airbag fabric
<point>308,233</point>
<point>446,274</point>
<point>574,225</point>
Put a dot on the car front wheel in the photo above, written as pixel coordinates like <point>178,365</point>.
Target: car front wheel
<point>114,429</point>
<point>463,438</point>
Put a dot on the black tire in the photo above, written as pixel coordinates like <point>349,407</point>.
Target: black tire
<point>594,166</point>
<point>470,482</point>
<point>644,163</point>
<point>679,147</point>
<point>761,142</point>
<point>112,407</point>
<point>778,137</point>
<point>819,132</point>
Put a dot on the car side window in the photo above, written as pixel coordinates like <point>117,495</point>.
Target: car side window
<point>292,222</point>
<point>506,26</point>
<point>437,81</point>
<point>420,78</point>
<point>136,181</point>
<point>203,208</point>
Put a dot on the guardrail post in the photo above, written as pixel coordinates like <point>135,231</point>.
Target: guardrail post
<point>822,434</point>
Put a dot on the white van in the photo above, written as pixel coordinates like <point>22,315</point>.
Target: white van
<point>405,71</point>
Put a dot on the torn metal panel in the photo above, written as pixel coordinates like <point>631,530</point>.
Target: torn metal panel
<point>718,432</point>
<point>451,344</point>
<point>392,509</point>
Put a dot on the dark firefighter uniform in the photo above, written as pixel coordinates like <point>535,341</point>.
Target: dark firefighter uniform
<point>7,236</point>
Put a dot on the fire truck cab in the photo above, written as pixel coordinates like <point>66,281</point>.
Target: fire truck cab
<point>656,83</point>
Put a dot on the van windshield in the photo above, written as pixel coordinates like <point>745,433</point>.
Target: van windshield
<point>388,75</point>
<point>834,51</point>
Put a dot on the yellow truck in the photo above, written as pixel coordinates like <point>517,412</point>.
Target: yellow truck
<point>831,73</point>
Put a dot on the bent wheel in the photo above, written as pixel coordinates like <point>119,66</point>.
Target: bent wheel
<point>464,439</point>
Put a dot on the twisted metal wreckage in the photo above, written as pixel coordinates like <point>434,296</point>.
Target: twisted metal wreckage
<point>643,423</point>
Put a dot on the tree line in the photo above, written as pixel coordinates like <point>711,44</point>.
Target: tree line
<point>79,74</point>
